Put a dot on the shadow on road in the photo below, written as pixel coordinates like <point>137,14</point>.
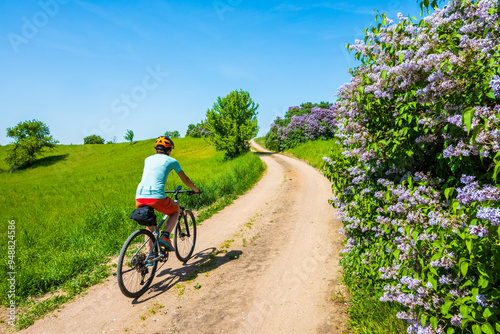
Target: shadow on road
<point>264,153</point>
<point>202,262</point>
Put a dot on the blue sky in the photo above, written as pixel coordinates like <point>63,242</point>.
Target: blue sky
<point>102,67</point>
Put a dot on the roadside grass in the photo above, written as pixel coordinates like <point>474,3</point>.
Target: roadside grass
<point>70,210</point>
<point>367,314</point>
<point>312,151</point>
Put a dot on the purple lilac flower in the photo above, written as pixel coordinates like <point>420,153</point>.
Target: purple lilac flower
<point>412,283</point>
<point>367,190</point>
<point>444,262</point>
<point>482,300</point>
<point>403,315</point>
<point>456,320</point>
<point>495,85</point>
<point>461,149</point>
<point>479,231</point>
<point>416,327</point>
<point>329,161</point>
<point>471,193</point>
<point>455,120</point>
<point>445,279</point>
<point>490,214</point>
<point>466,179</point>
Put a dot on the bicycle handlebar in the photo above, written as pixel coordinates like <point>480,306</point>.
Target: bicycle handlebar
<point>179,191</point>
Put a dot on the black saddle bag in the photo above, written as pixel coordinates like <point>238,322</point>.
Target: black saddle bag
<point>144,216</point>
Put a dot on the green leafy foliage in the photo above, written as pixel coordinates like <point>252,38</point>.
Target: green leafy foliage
<point>129,135</point>
<point>199,130</point>
<point>301,124</point>
<point>172,134</point>
<point>232,122</point>
<point>416,179</point>
<point>31,138</point>
<point>93,139</point>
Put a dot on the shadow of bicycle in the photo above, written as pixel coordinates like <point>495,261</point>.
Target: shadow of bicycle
<point>202,262</point>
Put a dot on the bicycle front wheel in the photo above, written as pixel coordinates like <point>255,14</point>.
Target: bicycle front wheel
<point>133,273</point>
<point>185,236</point>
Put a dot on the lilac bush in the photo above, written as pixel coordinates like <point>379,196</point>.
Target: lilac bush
<point>198,130</point>
<point>300,124</point>
<point>416,183</point>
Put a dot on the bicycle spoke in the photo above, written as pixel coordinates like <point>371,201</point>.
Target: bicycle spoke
<point>133,274</point>
<point>185,236</point>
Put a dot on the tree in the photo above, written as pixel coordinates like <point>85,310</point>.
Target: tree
<point>129,136</point>
<point>31,139</point>
<point>173,134</point>
<point>232,122</point>
<point>93,139</point>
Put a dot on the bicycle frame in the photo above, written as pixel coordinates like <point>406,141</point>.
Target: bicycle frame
<point>136,268</point>
<point>157,229</point>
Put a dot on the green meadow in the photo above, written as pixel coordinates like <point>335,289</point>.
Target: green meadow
<point>71,208</point>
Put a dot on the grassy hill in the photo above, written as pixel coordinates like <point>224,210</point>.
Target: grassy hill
<point>71,208</point>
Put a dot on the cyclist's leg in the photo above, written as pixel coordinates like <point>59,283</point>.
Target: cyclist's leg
<point>149,245</point>
<point>170,208</point>
<point>172,220</point>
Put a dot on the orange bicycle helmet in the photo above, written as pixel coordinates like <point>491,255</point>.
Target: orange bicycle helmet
<point>165,142</point>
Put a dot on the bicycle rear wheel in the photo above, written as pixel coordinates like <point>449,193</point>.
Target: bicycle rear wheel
<point>133,274</point>
<point>185,236</point>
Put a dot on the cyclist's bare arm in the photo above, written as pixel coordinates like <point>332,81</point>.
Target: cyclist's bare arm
<point>187,181</point>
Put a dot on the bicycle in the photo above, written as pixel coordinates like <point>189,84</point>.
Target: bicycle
<point>137,266</point>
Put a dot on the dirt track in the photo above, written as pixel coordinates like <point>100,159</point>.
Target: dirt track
<point>278,276</point>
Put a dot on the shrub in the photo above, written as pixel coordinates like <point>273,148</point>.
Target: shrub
<point>172,134</point>
<point>199,130</point>
<point>95,139</point>
<point>31,139</point>
<point>300,124</point>
<point>416,182</point>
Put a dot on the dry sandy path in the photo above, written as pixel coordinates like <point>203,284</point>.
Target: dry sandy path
<point>283,270</point>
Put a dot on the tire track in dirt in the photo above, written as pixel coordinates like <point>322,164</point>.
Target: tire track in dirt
<point>265,264</point>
